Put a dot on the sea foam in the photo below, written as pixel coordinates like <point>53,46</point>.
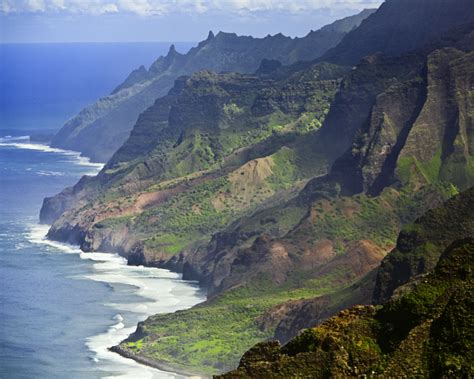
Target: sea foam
<point>157,291</point>
<point>23,142</point>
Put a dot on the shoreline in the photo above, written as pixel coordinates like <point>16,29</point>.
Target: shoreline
<point>25,143</point>
<point>124,353</point>
<point>19,142</point>
<point>117,349</point>
<point>160,365</point>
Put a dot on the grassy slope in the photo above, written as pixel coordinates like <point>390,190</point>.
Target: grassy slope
<point>217,171</point>
<point>224,328</point>
<point>196,213</point>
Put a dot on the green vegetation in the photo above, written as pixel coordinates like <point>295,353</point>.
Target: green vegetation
<point>362,217</point>
<point>212,337</point>
<point>425,330</point>
<point>228,323</point>
<point>285,170</point>
<point>430,171</point>
<point>241,158</point>
<point>210,204</point>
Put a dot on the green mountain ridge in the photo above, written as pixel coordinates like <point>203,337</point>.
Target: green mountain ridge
<point>326,248</point>
<point>99,129</point>
<point>199,137</point>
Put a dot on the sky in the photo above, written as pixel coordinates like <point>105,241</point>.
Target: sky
<point>26,21</point>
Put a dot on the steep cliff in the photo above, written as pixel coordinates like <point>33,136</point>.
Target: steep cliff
<point>215,148</point>
<point>101,128</point>
<point>425,329</point>
<point>420,245</point>
<point>293,263</point>
<point>384,179</point>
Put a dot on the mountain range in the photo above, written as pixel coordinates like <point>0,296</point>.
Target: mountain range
<point>100,129</point>
<point>283,188</point>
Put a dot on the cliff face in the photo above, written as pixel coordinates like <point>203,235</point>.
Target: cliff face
<point>101,128</point>
<point>353,105</point>
<point>375,164</point>
<point>425,119</point>
<point>401,160</point>
<point>215,148</point>
<point>424,330</point>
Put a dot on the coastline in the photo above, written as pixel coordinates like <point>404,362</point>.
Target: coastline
<point>160,365</point>
<point>157,291</point>
<point>122,352</point>
<point>119,328</point>
<point>25,142</point>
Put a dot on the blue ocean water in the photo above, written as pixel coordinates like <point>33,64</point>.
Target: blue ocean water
<point>42,85</point>
<point>60,308</point>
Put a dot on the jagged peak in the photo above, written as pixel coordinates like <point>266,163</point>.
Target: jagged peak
<point>172,49</point>
<point>172,52</point>
<point>209,39</point>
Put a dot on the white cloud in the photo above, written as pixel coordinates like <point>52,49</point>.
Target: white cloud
<point>161,7</point>
<point>58,4</point>
<point>33,6</point>
<point>36,5</point>
<point>143,7</point>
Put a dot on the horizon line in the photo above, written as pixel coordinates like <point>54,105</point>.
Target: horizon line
<point>84,42</point>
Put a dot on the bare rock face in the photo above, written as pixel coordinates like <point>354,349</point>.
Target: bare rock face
<point>351,110</point>
<point>444,128</point>
<point>54,207</point>
<point>422,119</point>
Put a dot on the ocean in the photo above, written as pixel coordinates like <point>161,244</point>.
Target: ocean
<point>44,84</point>
<point>62,308</point>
